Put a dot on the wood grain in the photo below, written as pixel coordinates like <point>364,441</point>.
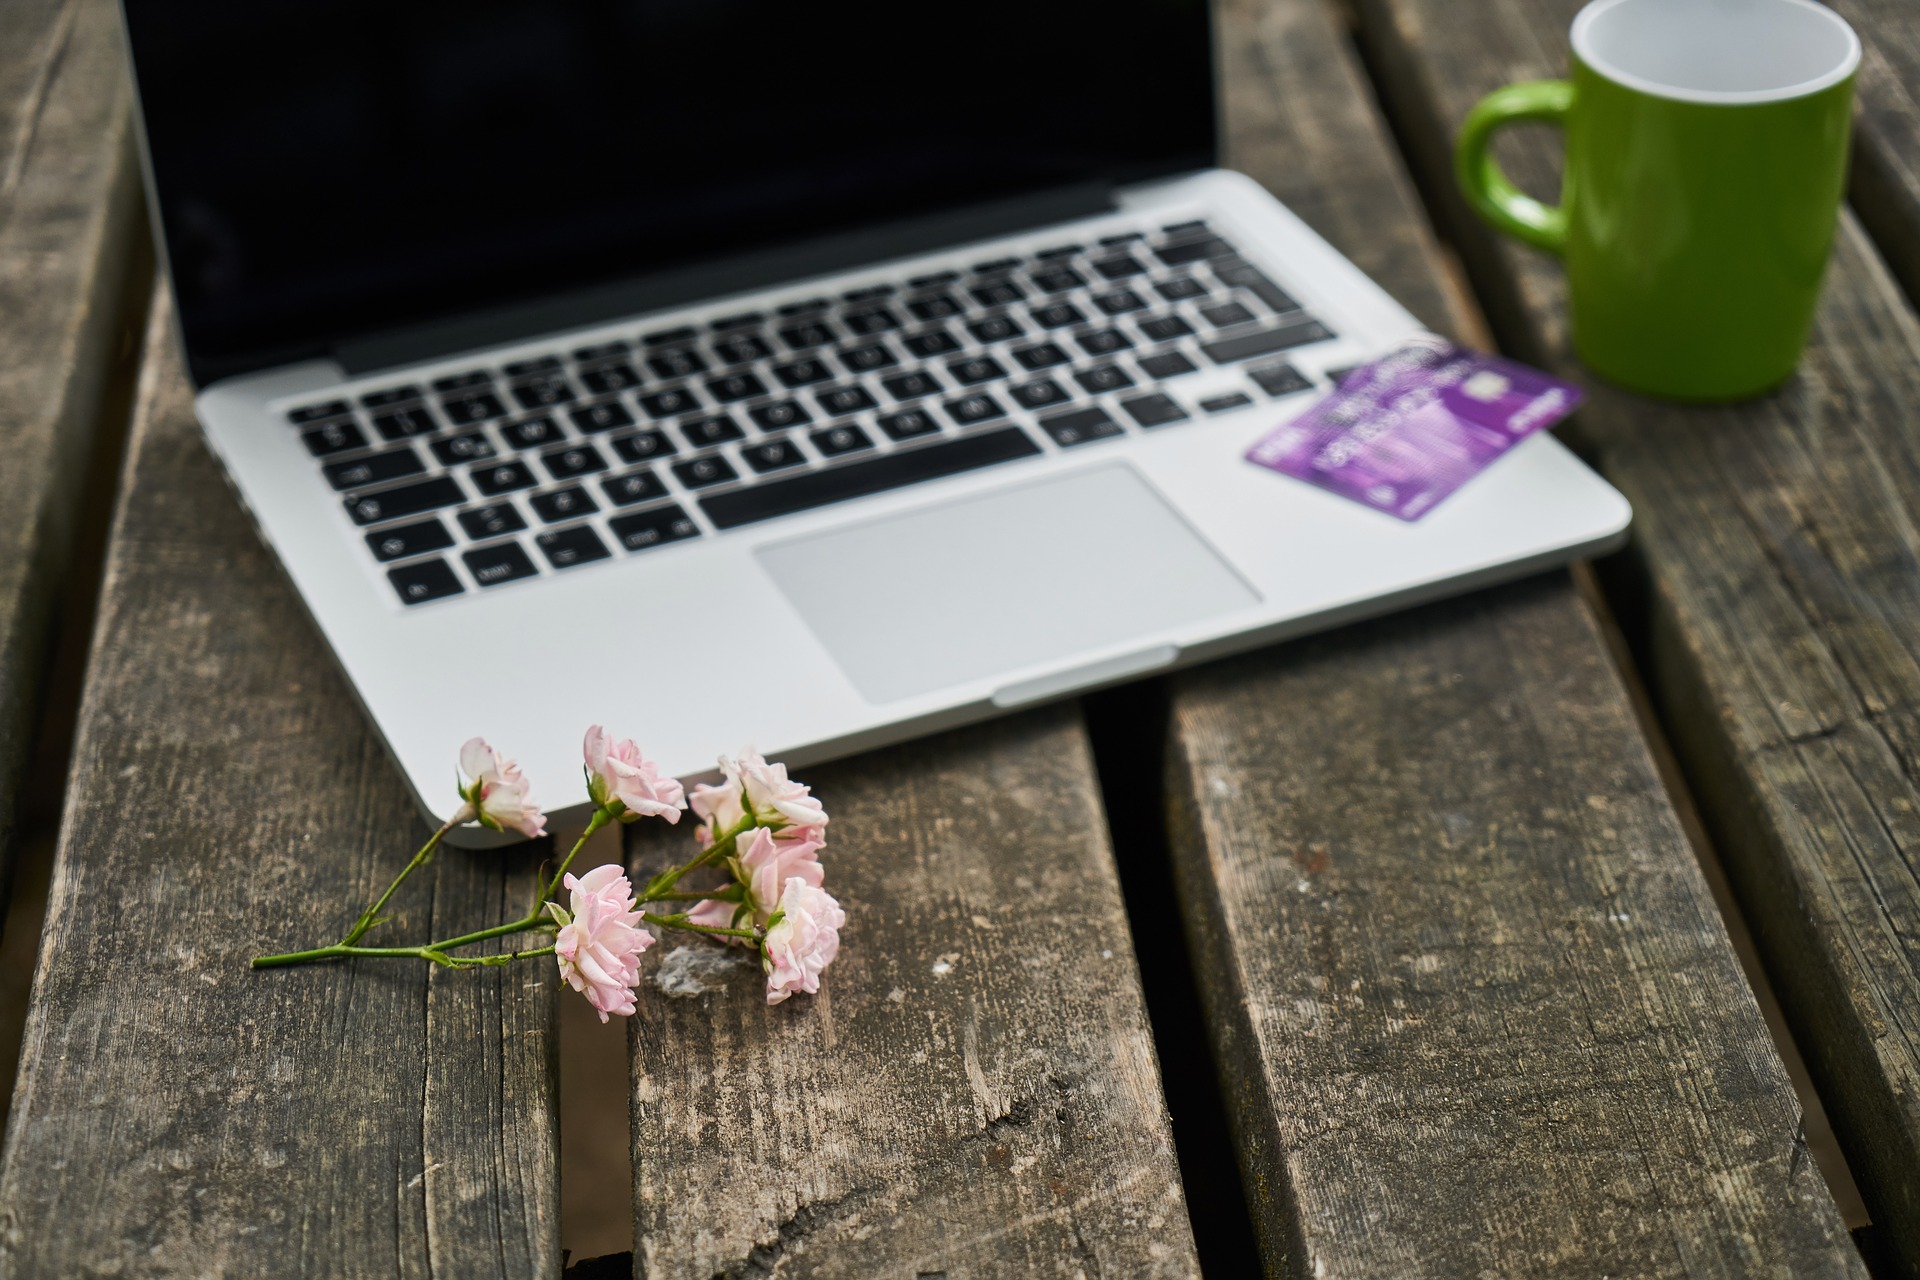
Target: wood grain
<point>177,1113</point>
<point>1885,181</point>
<point>973,1094</point>
<point>69,228</point>
<point>1475,1010</point>
<point>1775,574</point>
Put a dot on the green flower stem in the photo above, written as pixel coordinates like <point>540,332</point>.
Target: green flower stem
<point>681,922</point>
<point>658,887</point>
<point>434,954</point>
<point>371,916</point>
<point>537,918</point>
<point>694,895</point>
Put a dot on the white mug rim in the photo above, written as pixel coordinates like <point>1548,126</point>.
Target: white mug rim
<point>1583,49</point>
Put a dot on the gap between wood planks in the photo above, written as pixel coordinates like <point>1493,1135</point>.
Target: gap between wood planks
<point>1599,589</point>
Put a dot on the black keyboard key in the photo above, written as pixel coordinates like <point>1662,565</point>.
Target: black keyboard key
<point>428,580</point>
<point>1102,342</point>
<point>592,418</point>
<point>501,562</point>
<point>745,320</point>
<point>908,424</point>
<point>1044,356</point>
<point>669,337</point>
<point>644,529</point>
<point>779,415</point>
<point>736,386</point>
<point>938,307</point>
<point>801,373</point>
<point>407,500</point>
<point>1246,276</point>
<point>845,400</point>
<point>1080,427</point>
<point>375,468</point>
<point>979,369</point>
<point>704,433</point>
<point>1001,293</point>
<point>935,278</point>
<point>609,379</point>
<point>1165,328</point>
<point>520,367</point>
<point>994,266</point>
<point>979,407</point>
<point>676,362</point>
<point>812,489</point>
<point>401,423</point>
<point>1119,302</point>
<point>643,446</point>
<point>835,441</point>
<point>936,342</point>
<point>463,381</point>
<point>807,307</point>
<point>391,396</point>
<point>637,486</point>
<point>1224,315</point>
<point>801,337</point>
<point>1181,287</point>
<point>1119,268</point>
<point>1059,315</point>
<point>532,433</point>
<point>1192,228</point>
<point>742,348</point>
<point>911,386</point>
<point>698,473</point>
<point>1168,364</point>
<point>869,292</point>
<point>491,521</point>
<point>1181,252</point>
<point>867,358</point>
<point>871,321</point>
<point>1279,378</point>
<point>565,548</point>
<point>995,329</point>
<point>1060,251</point>
<point>404,541</point>
<point>563,504</point>
<point>333,437</point>
<point>502,478</point>
<point>772,455</point>
<point>1058,279</point>
<point>670,404</point>
<point>1105,377</point>
<point>466,410</point>
<point>566,464</point>
<point>1231,400</point>
<point>1266,342</point>
<point>540,393</point>
<point>314,412</point>
<point>601,351</point>
<point>471,447</point>
<point>1125,237</point>
<point>1038,395</point>
<point>1155,410</point>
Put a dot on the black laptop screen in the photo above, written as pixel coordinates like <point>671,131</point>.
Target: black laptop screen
<point>328,169</point>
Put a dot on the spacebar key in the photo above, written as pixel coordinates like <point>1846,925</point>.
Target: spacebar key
<point>768,499</point>
<point>1266,342</point>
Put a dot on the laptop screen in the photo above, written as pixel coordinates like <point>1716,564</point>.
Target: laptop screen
<point>328,169</point>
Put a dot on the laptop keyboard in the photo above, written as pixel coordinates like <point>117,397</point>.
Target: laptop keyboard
<point>543,464</point>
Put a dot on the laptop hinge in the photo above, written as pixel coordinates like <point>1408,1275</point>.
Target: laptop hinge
<point>840,252</point>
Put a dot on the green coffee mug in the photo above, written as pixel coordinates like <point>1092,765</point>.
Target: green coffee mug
<point>1706,151</point>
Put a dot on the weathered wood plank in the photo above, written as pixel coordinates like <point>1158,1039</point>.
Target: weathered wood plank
<point>69,233</point>
<point>177,1113</point>
<point>1885,181</point>
<point>974,1093</point>
<point>1475,1009</point>
<point>1775,576</point>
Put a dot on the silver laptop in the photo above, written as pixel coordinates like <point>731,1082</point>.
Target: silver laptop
<point>731,372</point>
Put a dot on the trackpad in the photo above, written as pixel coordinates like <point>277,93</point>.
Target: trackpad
<point>993,584</point>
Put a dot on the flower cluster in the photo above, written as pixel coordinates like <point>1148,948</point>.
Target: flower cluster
<point>764,830</point>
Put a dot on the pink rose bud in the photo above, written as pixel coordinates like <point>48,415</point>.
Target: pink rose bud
<point>804,939</point>
<point>720,806</point>
<point>715,913</point>
<point>496,796</point>
<point>619,775</point>
<point>775,799</point>
<point>599,944</point>
<point>770,861</point>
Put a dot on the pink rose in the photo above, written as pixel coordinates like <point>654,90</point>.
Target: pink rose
<point>599,943</point>
<point>803,940</point>
<point>774,798</point>
<point>618,773</point>
<point>496,797</point>
<point>720,806</point>
<point>770,862</point>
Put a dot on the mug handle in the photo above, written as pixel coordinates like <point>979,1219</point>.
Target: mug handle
<point>1488,189</point>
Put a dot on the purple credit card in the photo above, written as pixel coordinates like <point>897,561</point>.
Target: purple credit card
<point>1403,432</point>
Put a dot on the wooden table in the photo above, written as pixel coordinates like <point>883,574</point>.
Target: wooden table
<point>1394,951</point>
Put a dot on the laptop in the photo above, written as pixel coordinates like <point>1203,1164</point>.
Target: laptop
<point>731,372</point>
